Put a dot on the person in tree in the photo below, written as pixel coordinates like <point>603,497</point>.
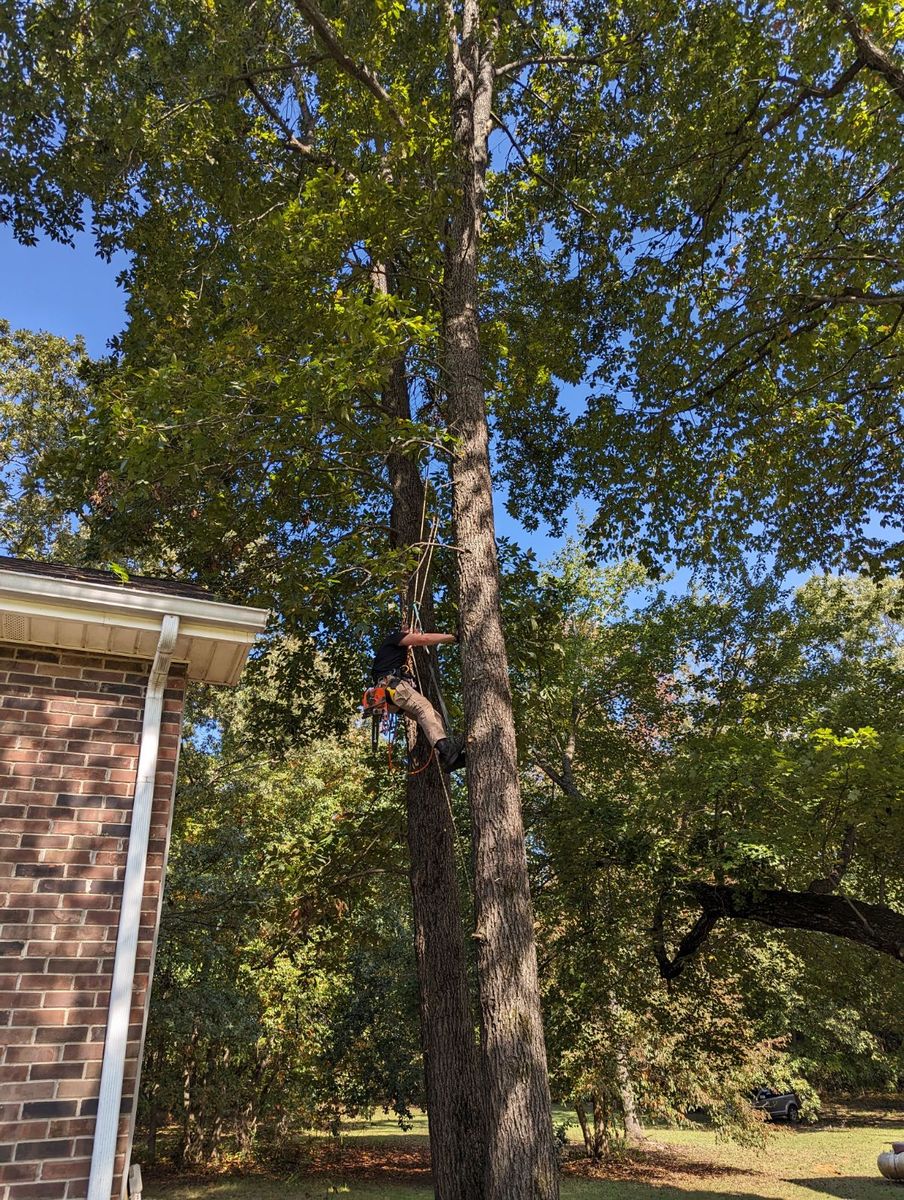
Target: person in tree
<point>390,670</point>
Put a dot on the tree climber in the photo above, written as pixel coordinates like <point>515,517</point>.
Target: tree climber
<point>390,670</point>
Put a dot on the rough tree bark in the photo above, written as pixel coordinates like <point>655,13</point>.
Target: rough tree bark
<point>520,1158</point>
<point>521,1162</point>
<point>633,1128</point>
<point>585,1127</point>
<point>600,1125</point>
<point>454,1097</point>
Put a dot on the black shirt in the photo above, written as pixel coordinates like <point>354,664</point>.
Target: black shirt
<point>391,657</point>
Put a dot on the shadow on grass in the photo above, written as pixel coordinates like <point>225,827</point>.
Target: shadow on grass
<point>886,1112</point>
<point>617,1189</point>
<point>406,1164</point>
<point>305,1187</point>
<point>657,1165</point>
<point>852,1187</point>
<point>323,1186</point>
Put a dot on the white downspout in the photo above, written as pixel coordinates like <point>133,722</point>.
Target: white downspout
<point>103,1156</point>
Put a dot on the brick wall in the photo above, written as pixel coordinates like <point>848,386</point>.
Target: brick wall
<point>69,732</point>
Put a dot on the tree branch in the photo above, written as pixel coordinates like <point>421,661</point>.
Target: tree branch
<point>671,968</point>
<point>558,778</point>
<point>285,68</point>
<point>830,882</point>
<point>534,60</point>
<point>306,149</point>
<point>748,141</point>
<point>856,295</point>
<point>470,20</point>
<point>811,91</point>
<point>568,753</point>
<point>550,183</point>
<point>874,56</point>
<point>850,256</point>
<point>360,71</point>
<point>838,916</point>
<point>307,117</point>
<point>289,135</point>
<point>452,36</point>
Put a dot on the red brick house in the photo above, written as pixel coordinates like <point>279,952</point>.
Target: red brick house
<point>92,680</point>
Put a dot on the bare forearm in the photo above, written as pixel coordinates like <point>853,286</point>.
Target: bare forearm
<point>428,639</point>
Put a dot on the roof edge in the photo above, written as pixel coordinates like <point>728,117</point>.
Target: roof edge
<point>114,598</point>
<point>214,637</point>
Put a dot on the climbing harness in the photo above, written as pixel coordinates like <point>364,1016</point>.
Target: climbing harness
<point>385,724</point>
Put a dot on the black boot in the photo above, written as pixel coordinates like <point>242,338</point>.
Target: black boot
<point>451,755</point>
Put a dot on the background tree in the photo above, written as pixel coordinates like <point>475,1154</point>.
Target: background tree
<point>721,197</point>
<point>43,389</point>
<point>208,246</point>
<point>802,764</point>
<point>284,993</point>
<point>709,744</point>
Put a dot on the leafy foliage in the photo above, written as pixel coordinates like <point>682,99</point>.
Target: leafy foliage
<point>44,383</point>
<point>720,186</point>
<point>717,738</point>
<point>692,213</point>
<point>284,989</point>
<point>692,216</point>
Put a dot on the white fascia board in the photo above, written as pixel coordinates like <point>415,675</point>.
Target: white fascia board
<point>122,599</point>
<point>205,625</point>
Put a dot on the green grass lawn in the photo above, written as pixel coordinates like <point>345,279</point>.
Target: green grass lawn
<point>835,1159</point>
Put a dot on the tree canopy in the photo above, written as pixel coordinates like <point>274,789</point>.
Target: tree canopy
<point>641,258</point>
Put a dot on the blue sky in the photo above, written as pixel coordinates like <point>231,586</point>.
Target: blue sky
<point>61,289</point>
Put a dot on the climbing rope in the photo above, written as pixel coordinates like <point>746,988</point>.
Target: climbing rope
<point>426,561</point>
<point>416,588</point>
<point>425,765</point>
<point>393,738</point>
<point>413,668</point>
<point>416,584</point>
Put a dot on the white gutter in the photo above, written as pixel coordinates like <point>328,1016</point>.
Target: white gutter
<point>103,1156</point>
<point>112,600</point>
<point>123,620</point>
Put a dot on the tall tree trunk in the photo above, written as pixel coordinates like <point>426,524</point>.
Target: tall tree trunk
<point>150,1145</point>
<point>187,1124</point>
<point>600,1125</point>
<point>454,1097</point>
<point>585,1127</point>
<point>633,1128</point>
<point>521,1161</point>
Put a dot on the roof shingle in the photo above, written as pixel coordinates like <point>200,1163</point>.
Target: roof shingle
<point>170,587</point>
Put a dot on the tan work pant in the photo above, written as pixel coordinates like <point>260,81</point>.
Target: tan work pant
<point>410,701</point>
